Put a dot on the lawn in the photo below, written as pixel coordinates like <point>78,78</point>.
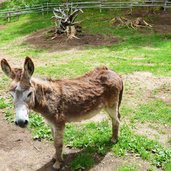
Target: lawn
<point>142,57</point>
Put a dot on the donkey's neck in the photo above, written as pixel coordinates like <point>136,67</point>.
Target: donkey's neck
<point>47,97</point>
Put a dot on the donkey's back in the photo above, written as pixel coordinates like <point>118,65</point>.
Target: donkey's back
<point>85,96</point>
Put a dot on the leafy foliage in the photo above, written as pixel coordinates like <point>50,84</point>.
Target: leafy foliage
<point>82,161</point>
<point>39,128</point>
<point>3,103</point>
<point>7,106</point>
<point>9,116</point>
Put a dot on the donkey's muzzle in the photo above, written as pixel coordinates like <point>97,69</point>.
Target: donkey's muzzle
<point>21,123</point>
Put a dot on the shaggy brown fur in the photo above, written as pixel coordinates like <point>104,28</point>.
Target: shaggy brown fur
<point>61,101</point>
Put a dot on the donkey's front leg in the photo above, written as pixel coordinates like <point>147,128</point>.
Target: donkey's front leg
<point>58,142</point>
<point>52,131</point>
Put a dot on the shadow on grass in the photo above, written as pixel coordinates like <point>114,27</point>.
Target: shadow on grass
<point>80,159</point>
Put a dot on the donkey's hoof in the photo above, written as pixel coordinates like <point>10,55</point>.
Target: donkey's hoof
<point>114,140</point>
<point>53,169</point>
<point>57,165</point>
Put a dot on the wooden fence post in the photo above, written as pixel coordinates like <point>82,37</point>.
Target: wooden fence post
<point>100,6</point>
<point>9,16</point>
<point>131,6</point>
<point>42,10</point>
<point>71,6</point>
<point>47,8</point>
<point>17,11</point>
<point>165,4</point>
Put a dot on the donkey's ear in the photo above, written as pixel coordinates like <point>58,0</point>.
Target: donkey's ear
<point>7,69</point>
<point>28,68</point>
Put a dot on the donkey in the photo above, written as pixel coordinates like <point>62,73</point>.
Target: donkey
<point>67,100</point>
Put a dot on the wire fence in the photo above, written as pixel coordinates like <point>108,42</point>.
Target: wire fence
<point>101,4</point>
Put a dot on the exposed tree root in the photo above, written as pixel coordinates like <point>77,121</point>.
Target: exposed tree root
<point>134,24</point>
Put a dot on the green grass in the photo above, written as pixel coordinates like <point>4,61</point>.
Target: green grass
<point>97,135</point>
<point>4,83</point>
<point>82,162</point>
<point>64,70</point>
<point>144,147</point>
<point>3,103</point>
<point>95,138</point>
<point>168,166</point>
<point>154,111</point>
<point>24,26</point>
<point>39,128</point>
<point>127,168</point>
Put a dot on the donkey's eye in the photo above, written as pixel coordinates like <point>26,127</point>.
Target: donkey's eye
<point>29,95</point>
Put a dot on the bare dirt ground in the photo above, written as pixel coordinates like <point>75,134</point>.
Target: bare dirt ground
<point>2,27</point>
<point>2,1</point>
<point>163,23</point>
<point>43,39</point>
<point>148,86</point>
<point>18,151</point>
<point>160,20</point>
<point>160,133</point>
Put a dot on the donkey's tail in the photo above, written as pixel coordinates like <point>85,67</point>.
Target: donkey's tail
<point>120,99</point>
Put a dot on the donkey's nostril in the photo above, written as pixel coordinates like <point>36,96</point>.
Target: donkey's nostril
<point>22,123</point>
<point>26,122</point>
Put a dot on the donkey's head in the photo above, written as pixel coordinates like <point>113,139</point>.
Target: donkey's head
<point>21,89</point>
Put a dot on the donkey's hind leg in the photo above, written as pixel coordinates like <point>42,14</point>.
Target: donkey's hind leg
<point>114,115</point>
